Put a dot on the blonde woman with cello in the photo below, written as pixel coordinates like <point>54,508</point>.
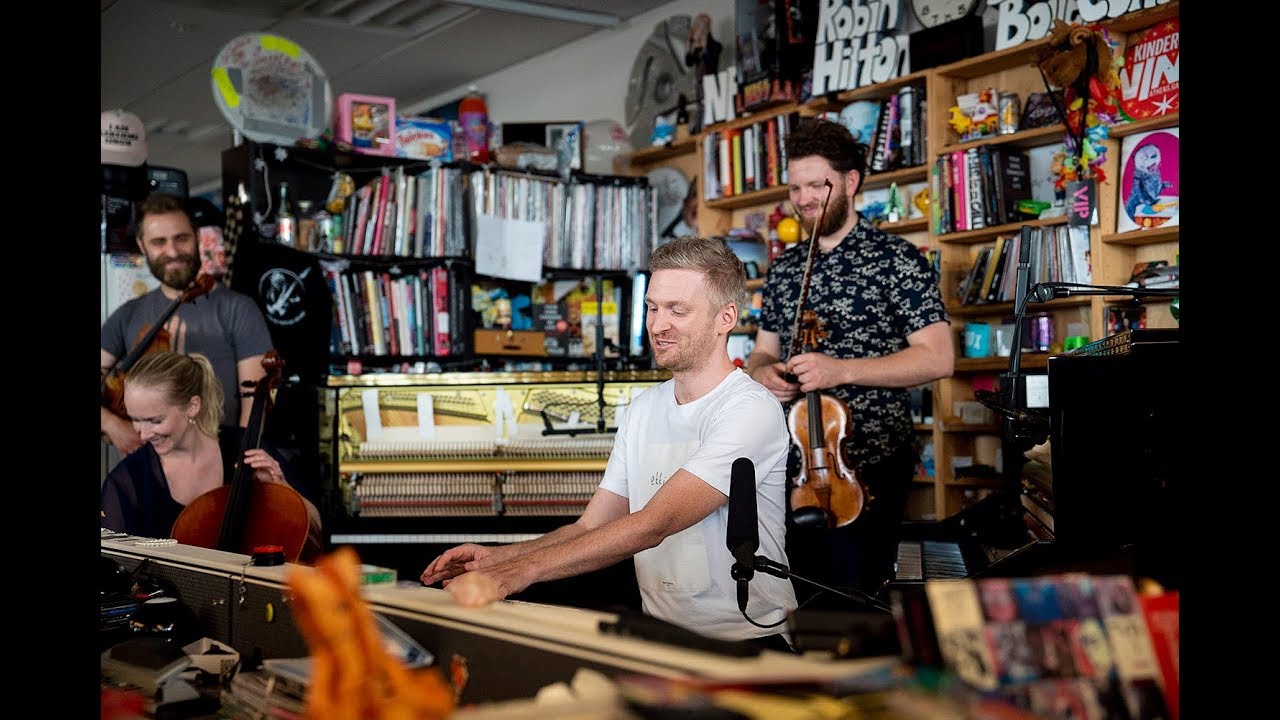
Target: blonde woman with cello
<point>174,402</point>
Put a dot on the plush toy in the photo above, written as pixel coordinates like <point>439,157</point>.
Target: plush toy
<point>1081,60</point>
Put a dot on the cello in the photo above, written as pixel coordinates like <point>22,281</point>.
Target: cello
<point>152,339</point>
<point>827,490</point>
<point>245,513</point>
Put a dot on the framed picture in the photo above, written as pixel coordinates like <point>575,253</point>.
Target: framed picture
<point>367,123</point>
<point>571,135</point>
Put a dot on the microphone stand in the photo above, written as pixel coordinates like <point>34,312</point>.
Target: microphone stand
<point>744,574</point>
<point>1020,425</point>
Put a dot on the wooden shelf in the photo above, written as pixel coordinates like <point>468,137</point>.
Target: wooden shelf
<point>924,427</point>
<point>1028,52</point>
<point>972,237</point>
<point>905,226</point>
<point>747,199</point>
<point>652,155</point>
<point>1022,139</point>
<point>752,117</point>
<point>974,482</point>
<point>1156,123</point>
<point>900,176</point>
<point>755,283</point>
<point>1148,300</point>
<point>996,61</point>
<point>1148,236</point>
<point>988,364</point>
<point>1006,308</point>
<point>960,428</point>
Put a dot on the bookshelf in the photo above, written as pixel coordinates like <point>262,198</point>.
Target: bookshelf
<point>398,294</point>
<point>1112,254</point>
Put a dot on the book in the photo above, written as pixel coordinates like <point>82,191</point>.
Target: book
<point>1043,164</point>
<point>999,266</point>
<point>1162,616</point>
<point>974,291</point>
<point>993,269</point>
<point>1149,191</point>
<point>861,118</point>
<point>1013,182</point>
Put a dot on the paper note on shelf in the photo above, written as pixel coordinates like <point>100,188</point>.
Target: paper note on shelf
<point>510,249</point>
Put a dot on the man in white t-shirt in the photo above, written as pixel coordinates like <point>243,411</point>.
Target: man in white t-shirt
<point>664,496</point>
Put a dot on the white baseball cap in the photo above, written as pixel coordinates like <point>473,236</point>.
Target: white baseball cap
<point>124,139</point>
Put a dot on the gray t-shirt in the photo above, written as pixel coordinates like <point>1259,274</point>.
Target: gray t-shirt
<point>223,324</point>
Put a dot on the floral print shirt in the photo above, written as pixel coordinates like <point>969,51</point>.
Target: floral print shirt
<point>869,293</point>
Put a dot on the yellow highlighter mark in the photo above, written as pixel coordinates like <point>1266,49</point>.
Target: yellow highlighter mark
<point>278,44</point>
<point>223,83</point>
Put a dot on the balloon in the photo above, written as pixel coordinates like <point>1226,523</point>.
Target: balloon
<point>788,230</point>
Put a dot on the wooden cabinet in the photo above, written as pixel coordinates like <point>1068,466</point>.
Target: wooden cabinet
<point>956,432</point>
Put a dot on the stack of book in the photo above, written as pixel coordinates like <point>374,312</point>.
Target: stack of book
<point>1154,275</point>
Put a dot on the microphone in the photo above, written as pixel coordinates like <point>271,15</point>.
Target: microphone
<point>742,537</point>
<point>742,532</point>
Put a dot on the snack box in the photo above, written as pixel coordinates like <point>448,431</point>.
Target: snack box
<point>424,139</point>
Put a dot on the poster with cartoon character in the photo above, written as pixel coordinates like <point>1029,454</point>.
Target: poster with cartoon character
<point>1148,181</point>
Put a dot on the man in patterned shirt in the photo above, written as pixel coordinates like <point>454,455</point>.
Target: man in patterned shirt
<point>876,297</point>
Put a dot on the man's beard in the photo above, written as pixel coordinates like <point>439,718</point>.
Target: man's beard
<point>690,355</point>
<point>178,278</point>
<point>837,214</point>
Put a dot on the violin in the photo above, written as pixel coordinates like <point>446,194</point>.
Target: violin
<point>246,513</point>
<point>827,490</point>
<point>152,338</point>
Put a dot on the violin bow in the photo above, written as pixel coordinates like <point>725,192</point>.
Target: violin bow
<point>808,268</point>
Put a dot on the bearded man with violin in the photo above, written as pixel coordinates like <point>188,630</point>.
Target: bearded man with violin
<point>850,325</point>
<point>188,313</point>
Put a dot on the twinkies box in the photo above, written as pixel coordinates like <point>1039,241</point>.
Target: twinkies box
<point>424,139</point>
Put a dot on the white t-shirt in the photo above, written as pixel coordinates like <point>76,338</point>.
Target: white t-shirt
<point>686,579</point>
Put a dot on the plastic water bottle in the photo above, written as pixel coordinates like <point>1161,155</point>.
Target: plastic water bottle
<point>473,115</point>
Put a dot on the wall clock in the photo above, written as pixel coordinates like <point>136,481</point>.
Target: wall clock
<point>932,13</point>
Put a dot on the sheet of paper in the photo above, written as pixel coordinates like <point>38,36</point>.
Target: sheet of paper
<point>426,416</point>
<point>372,414</point>
<point>510,249</point>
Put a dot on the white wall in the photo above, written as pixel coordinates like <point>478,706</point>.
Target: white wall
<point>587,79</point>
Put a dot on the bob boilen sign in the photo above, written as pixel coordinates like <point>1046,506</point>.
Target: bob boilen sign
<point>858,43</point>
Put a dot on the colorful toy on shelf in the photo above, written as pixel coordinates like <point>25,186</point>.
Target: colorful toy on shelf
<point>1081,59</point>
<point>921,201</point>
<point>974,115</point>
<point>895,209</point>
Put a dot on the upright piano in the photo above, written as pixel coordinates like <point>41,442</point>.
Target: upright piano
<point>1104,502</point>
